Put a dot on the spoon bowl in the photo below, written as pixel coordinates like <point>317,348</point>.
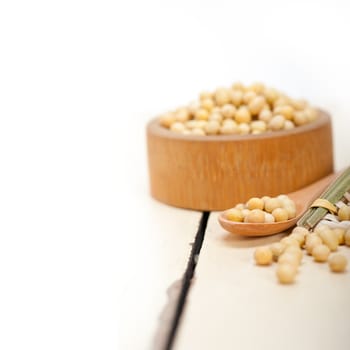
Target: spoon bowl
<point>302,198</point>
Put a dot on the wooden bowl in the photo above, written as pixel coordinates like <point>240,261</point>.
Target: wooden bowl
<point>217,172</point>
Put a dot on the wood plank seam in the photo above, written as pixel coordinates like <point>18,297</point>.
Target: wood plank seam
<point>178,294</point>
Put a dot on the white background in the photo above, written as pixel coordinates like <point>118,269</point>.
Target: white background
<point>78,82</point>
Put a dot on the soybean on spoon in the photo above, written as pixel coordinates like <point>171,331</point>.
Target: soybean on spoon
<point>302,198</point>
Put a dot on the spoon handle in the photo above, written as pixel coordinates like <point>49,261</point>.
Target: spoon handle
<point>308,194</point>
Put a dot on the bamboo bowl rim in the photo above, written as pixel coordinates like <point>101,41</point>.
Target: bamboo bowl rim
<point>323,118</point>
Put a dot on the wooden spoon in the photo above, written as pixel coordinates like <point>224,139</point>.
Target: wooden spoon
<point>303,198</point>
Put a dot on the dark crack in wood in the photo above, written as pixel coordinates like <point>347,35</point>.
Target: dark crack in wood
<point>177,293</point>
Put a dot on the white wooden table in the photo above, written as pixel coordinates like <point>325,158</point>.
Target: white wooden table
<point>88,260</point>
<point>231,302</point>
<point>235,304</point>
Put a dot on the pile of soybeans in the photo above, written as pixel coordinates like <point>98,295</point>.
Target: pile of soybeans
<point>265,209</point>
<point>240,110</point>
<point>321,243</point>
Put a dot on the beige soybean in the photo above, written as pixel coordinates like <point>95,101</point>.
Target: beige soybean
<point>227,128</point>
<point>255,203</point>
<point>244,128</point>
<point>217,116</point>
<point>201,114</point>
<point>300,118</point>
<point>256,105</point>
<point>288,125</point>
<point>291,210</point>
<point>298,236</point>
<point>283,198</point>
<point>289,258</point>
<point>182,114</point>
<point>282,100</point>
<point>280,214</point>
<point>245,212</point>
<point>276,123</point>
<point>198,131</point>
<point>286,111</point>
<point>277,249</point>
<point>228,111</point>
<point>258,125</point>
<point>191,124</point>
<point>289,241</point>
<point>248,96</point>
<point>237,97</point>
<point>265,115</point>
<point>320,228</point>
<point>193,106</point>
<point>234,215</point>
<point>240,206</point>
<point>212,127</point>
<point>299,104</point>
<point>347,237</point>
<point>257,87</point>
<point>178,127</point>
<point>310,113</point>
<point>269,218</point>
<point>344,213</point>
<point>271,204</point>
<point>207,104</point>
<point>312,242</point>
<point>329,239</point>
<point>222,96</point>
<point>320,253</point>
<point>255,216</point>
<point>263,256</point>
<point>255,131</point>
<point>286,273</point>
<point>337,263</point>
<point>238,85</point>
<point>310,235</point>
<point>265,198</point>
<point>293,249</point>
<point>340,233</point>
<point>299,229</point>
<point>243,115</point>
<point>271,95</point>
<point>205,95</point>
<point>167,120</point>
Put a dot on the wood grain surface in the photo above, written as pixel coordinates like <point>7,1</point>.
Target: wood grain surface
<point>155,258</point>
<point>235,304</point>
<point>216,172</point>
